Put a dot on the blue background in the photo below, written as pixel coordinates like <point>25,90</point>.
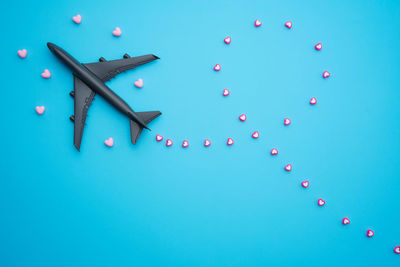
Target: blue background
<point>149,205</point>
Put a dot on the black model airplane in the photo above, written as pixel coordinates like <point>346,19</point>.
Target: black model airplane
<point>89,79</point>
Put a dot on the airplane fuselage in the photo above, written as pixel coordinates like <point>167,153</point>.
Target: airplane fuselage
<point>96,84</point>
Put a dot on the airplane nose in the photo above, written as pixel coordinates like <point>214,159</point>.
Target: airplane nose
<point>50,46</point>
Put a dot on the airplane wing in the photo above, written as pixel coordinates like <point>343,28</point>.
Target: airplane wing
<point>106,70</point>
<point>83,97</point>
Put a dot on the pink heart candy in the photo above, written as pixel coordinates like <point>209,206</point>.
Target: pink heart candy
<point>207,143</point>
<point>257,23</point>
<point>40,110</point>
<point>227,40</point>
<point>217,67</point>
<point>305,184</point>
<point>318,46</point>
<point>321,202</point>
<point>255,135</point>
<point>22,53</point>
<point>117,31</point>
<point>288,167</point>
<point>77,19</point>
<point>274,151</point>
<point>109,142</point>
<point>225,92</point>
<point>287,121</point>
<point>229,142</point>
<point>313,101</point>
<point>397,250</point>
<point>169,142</point>
<point>288,24</point>
<point>46,74</point>
<point>326,74</point>
<point>159,138</point>
<point>370,233</point>
<point>242,117</point>
<point>185,143</point>
<point>139,83</point>
<point>345,221</point>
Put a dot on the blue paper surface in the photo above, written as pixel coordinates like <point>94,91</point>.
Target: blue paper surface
<point>149,205</point>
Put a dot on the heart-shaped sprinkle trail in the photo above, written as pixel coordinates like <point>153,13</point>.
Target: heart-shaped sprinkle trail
<point>321,202</point>
<point>274,151</point>
<point>46,74</point>
<point>185,143</point>
<point>397,250</point>
<point>288,24</point>
<point>287,121</point>
<point>255,135</point>
<point>77,19</point>
<point>109,142</point>
<point>242,117</point>
<point>40,110</point>
<point>257,23</point>
<point>288,167</point>
<point>345,221</point>
<point>207,143</point>
<point>370,233</point>
<point>227,40</point>
<point>117,31</point>
<point>326,74</point>
<point>159,138</point>
<point>22,53</point>
<point>225,92</point>
<point>313,101</point>
<point>305,184</point>
<point>318,46</point>
<point>139,83</point>
<point>169,142</point>
<point>229,142</point>
<point>217,67</point>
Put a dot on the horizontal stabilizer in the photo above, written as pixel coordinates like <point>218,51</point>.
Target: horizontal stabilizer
<point>147,117</point>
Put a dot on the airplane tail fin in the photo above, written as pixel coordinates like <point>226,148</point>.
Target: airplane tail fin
<point>136,128</point>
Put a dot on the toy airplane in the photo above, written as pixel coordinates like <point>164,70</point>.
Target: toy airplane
<point>89,79</point>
